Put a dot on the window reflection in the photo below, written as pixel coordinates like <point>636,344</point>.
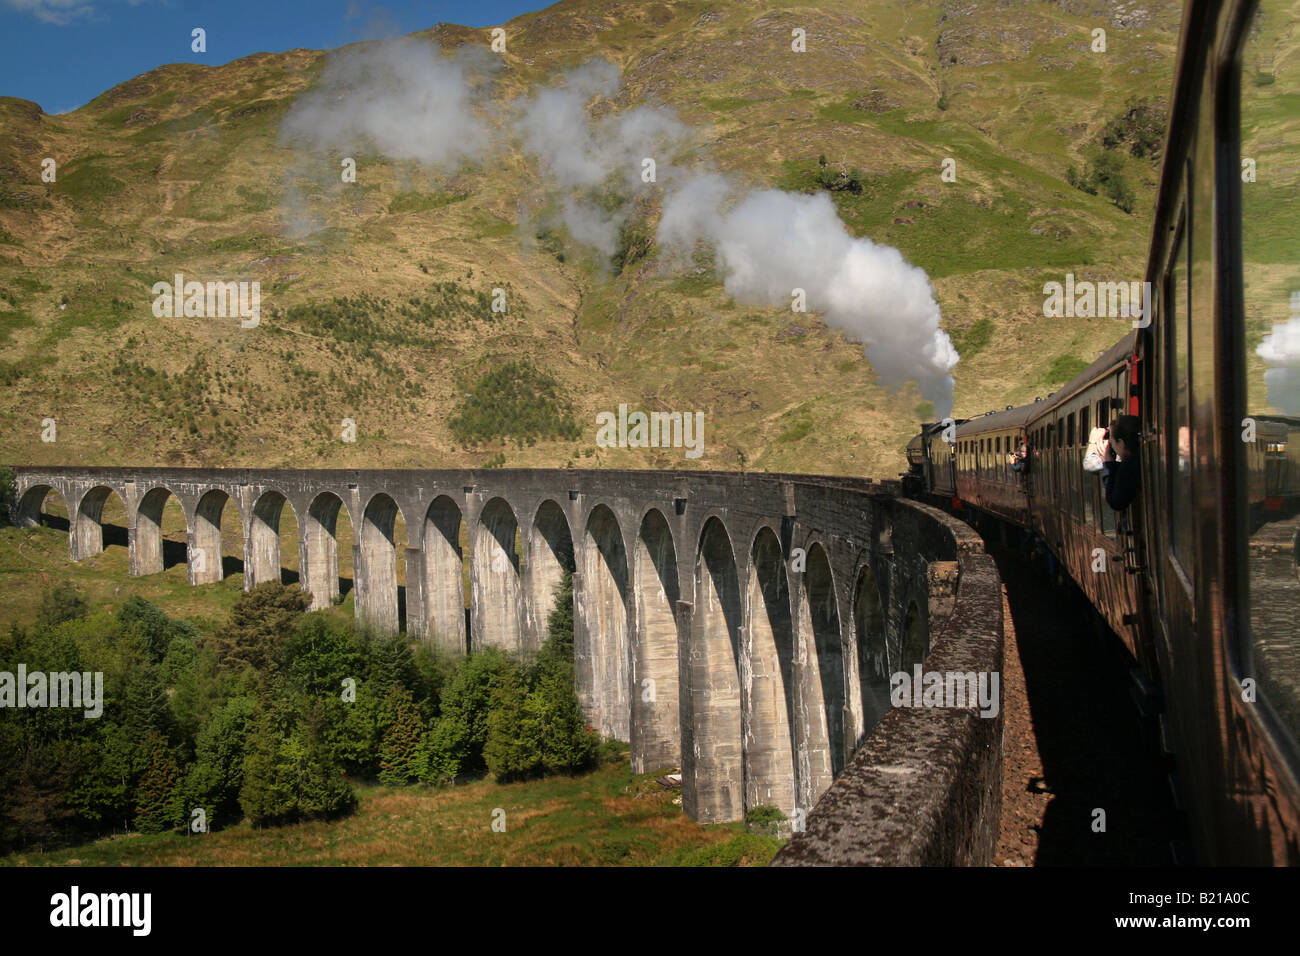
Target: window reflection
<point>1270,153</point>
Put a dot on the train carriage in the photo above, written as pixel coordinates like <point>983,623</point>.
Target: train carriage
<point>1201,574</point>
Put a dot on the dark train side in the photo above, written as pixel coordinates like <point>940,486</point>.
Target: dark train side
<point>1200,576</point>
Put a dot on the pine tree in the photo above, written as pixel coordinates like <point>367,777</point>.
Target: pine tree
<point>398,753</point>
<point>216,777</point>
<point>158,802</point>
<point>259,626</point>
<point>513,750</point>
<point>567,746</point>
<point>268,795</point>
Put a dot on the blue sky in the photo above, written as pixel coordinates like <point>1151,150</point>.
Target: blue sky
<point>64,53</point>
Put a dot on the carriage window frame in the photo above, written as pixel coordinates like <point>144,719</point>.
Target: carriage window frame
<point>1179,516</point>
<point>1240,638</point>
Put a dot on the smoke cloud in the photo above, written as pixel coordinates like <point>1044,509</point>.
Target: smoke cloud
<point>408,102</point>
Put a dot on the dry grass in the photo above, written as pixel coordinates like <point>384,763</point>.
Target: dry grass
<point>607,817</point>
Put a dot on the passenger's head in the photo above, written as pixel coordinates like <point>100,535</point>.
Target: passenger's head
<point>1124,436</point>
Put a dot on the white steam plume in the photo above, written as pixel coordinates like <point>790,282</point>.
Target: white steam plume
<point>771,242</point>
<point>582,153</point>
<point>409,102</point>
<point>399,97</point>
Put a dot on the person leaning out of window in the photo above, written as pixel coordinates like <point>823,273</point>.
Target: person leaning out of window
<point>1121,473</point>
<point>1019,459</point>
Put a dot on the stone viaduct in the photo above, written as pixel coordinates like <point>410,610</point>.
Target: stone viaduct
<point>742,627</point>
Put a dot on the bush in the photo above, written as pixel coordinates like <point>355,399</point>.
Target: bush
<point>1120,194</point>
<point>635,241</point>
<point>1062,369</point>
<point>61,603</point>
<point>766,820</point>
<point>839,178</point>
<point>1141,125</point>
<point>514,400</point>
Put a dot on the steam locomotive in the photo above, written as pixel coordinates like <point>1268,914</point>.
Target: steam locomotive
<point>1200,576</point>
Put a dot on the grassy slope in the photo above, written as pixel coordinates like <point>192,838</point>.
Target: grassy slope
<point>604,818</point>
<point>180,170</point>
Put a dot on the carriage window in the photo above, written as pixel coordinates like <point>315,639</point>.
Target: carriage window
<point>1178,454</point>
<point>1073,469</point>
<point>1089,480</point>
<point>1105,513</point>
<point>1270,240</point>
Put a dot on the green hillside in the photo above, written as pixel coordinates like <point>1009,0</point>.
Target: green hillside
<point>376,295</point>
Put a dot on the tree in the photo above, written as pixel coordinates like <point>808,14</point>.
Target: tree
<point>321,652</point>
<point>155,631</point>
<point>159,803</point>
<point>289,773</point>
<point>462,729</point>
<point>216,777</point>
<point>552,710</point>
<point>398,753</point>
<point>268,792</point>
<point>323,793</point>
<point>567,746</point>
<point>352,732</point>
<point>443,750</point>
<point>391,662</point>
<point>7,495</point>
<point>513,750</point>
<point>259,626</point>
<point>558,647</point>
<point>61,603</point>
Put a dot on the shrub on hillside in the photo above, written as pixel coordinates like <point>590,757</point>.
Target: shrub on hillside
<point>514,400</point>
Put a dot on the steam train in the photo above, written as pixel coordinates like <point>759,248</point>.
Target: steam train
<point>1200,576</point>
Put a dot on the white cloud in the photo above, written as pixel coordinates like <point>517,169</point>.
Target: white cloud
<point>58,12</point>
